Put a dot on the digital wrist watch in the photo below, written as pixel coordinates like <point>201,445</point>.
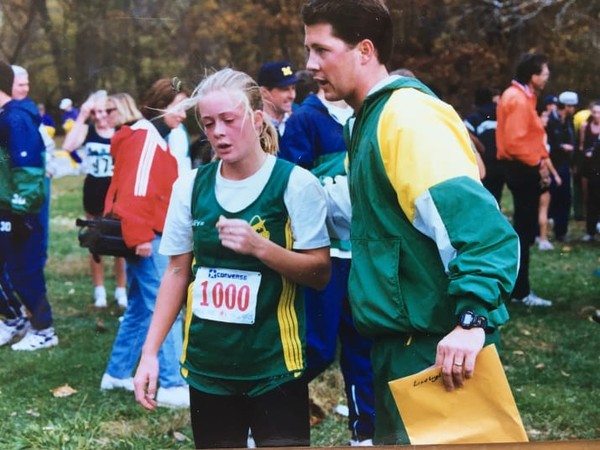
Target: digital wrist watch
<point>468,320</point>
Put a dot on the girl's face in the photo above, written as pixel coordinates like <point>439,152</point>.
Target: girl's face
<point>175,115</point>
<point>100,115</point>
<point>112,114</point>
<point>596,113</point>
<point>232,132</point>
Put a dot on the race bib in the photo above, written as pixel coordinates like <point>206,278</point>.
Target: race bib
<point>226,295</point>
<point>100,165</point>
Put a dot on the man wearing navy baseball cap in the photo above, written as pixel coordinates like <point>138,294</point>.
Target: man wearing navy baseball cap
<point>278,87</point>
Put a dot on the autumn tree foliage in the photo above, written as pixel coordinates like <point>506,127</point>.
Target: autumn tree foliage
<point>72,47</point>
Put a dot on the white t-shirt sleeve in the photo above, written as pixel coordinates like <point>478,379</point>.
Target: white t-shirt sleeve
<point>307,206</point>
<point>177,238</point>
<point>179,147</point>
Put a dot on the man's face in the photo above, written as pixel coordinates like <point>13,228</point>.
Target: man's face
<point>20,88</point>
<point>539,81</point>
<point>333,63</point>
<point>570,109</point>
<point>280,99</point>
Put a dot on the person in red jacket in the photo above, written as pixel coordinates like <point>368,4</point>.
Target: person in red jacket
<point>139,196</point>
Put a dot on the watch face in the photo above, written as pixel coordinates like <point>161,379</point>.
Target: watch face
<point>467,319</point>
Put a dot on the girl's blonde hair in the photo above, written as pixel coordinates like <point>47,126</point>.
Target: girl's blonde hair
<point>239,84</point>
<point>126,108</point>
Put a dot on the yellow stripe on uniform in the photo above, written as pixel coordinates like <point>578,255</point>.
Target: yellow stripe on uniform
<point>288,320</point>
<point>188,321</point>
<point>423,142</point>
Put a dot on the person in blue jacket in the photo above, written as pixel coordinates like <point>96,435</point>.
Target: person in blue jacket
<point>22,195</point>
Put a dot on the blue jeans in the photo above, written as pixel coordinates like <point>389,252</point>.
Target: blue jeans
<point>143,278</point>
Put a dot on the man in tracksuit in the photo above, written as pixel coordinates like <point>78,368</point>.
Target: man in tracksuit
<point>433,257</point>
<point>22,195</point>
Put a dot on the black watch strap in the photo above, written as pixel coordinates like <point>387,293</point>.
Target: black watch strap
<point>468,319</point>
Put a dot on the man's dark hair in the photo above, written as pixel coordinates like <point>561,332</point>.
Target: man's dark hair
<point>6,78</point>
<point>529,65</point>
<point>354,20</point>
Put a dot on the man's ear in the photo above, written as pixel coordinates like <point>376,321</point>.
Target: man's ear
<point>367,50</point>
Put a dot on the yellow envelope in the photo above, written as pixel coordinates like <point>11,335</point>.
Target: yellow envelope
<point>483,411</point>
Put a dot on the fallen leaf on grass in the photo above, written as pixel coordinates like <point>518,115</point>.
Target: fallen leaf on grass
<point>32,413</point>
<point>179,437</point>
<point>540,366</point>
<point>317,413</point>
<point>100,326</point>
<point>526,332</point>
<point>586,311</point>
<point>314,420</point>
<point>342,410</point>
<point>565,374</point>
<point>63,391</point>
<point>518,353</point>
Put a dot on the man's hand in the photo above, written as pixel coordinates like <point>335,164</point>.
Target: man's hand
<point>144,250</point>
<point>545,179</point>
<point>456,355</point>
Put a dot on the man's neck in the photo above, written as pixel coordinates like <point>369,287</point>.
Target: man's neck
<point>275,115</point>
<point>562,113</point>
<point>532,89</point>
<point>369,78</point>
<point>4,99</point>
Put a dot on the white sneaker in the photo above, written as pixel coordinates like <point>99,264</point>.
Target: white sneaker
<point>533,300</point>
<point>545,245</point>
<point>109,383</point>
<point>175,397</point>
<point>121,297</point>
<point>364,443</point>
<point>10,329</point>
<point>250,441</point>
<point>100,297</point>
<point>36,340</point>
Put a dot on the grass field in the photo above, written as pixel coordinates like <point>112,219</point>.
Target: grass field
<point>551,357</point>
